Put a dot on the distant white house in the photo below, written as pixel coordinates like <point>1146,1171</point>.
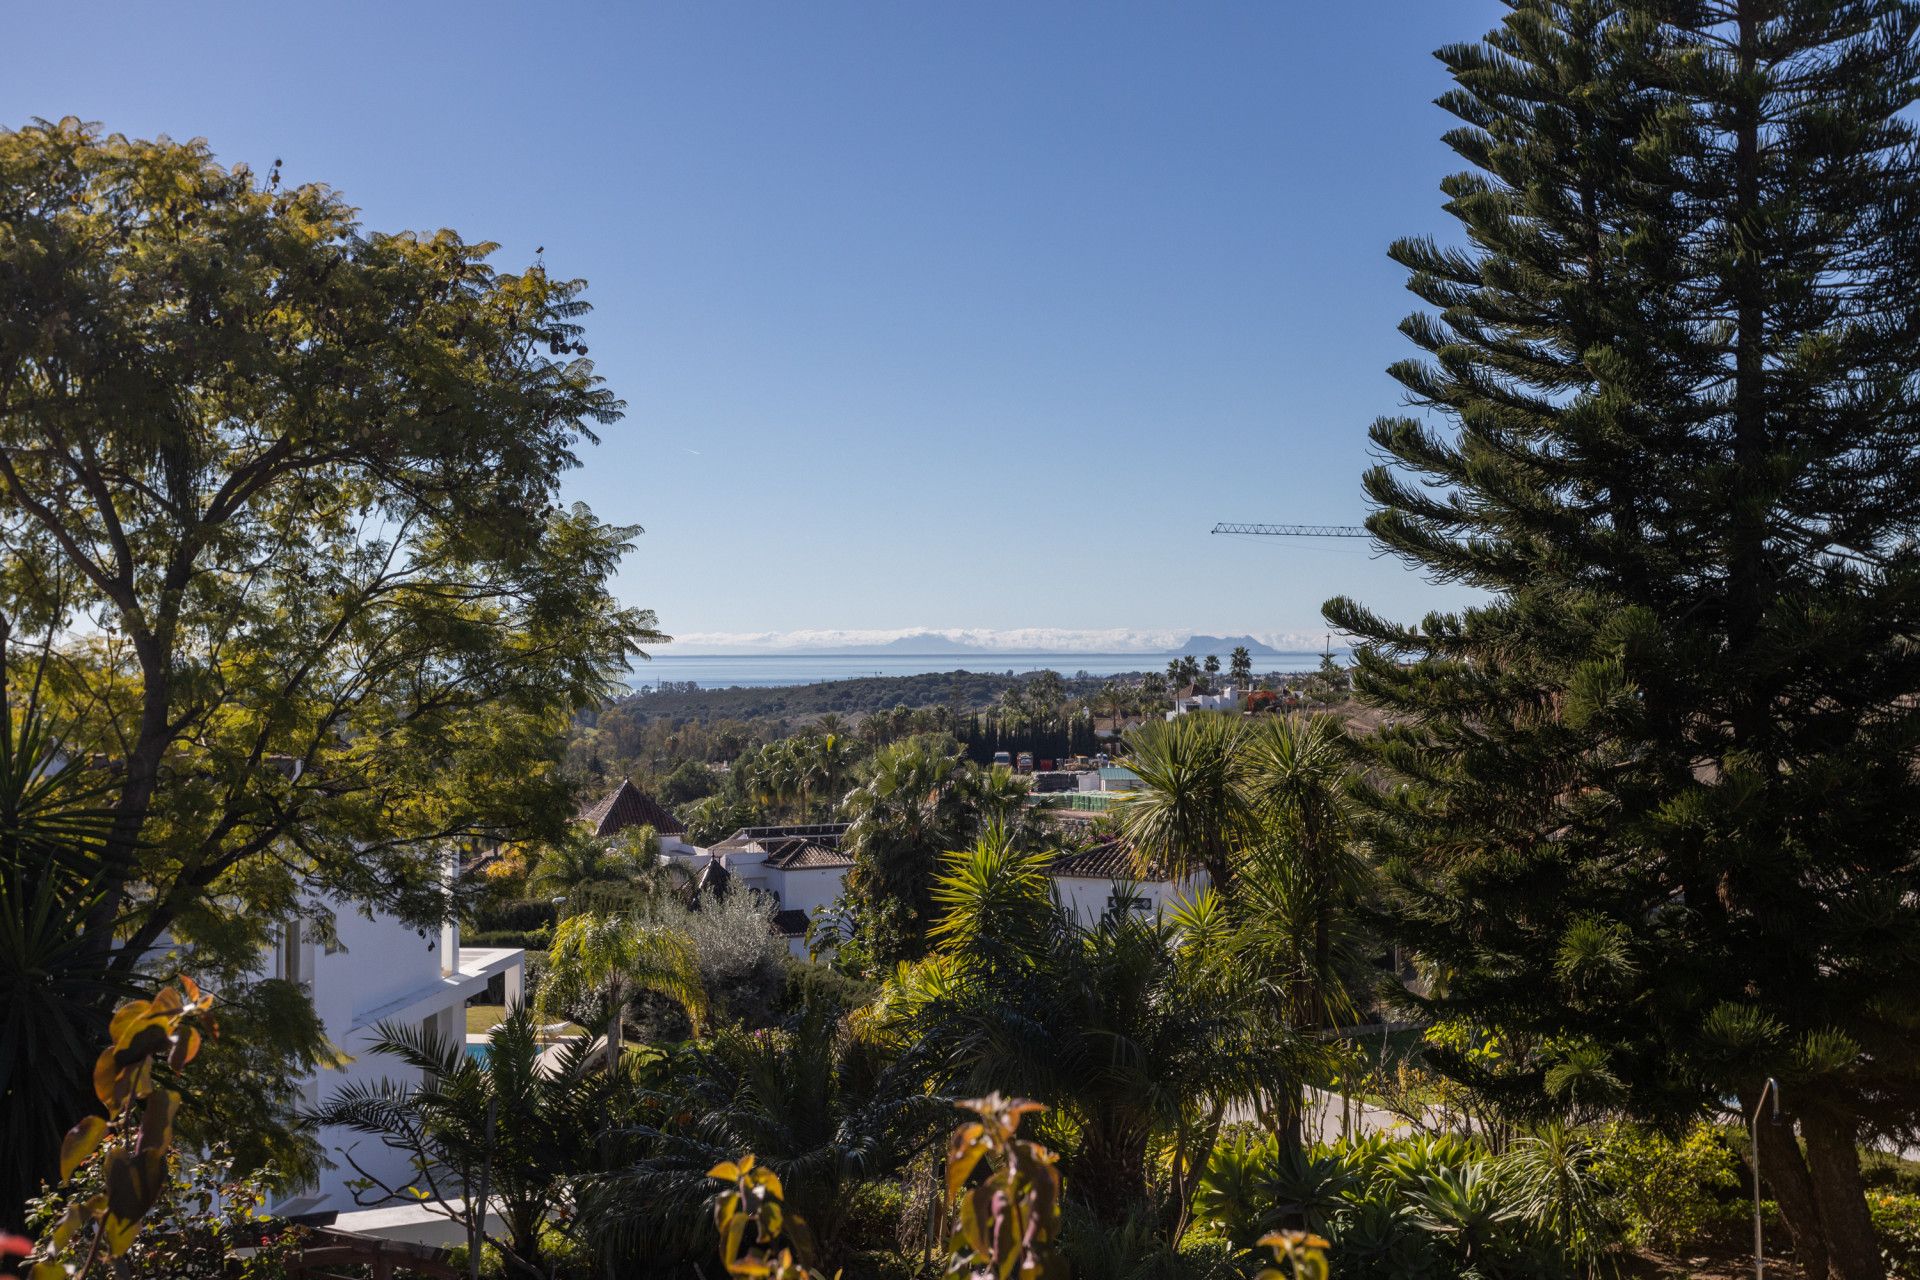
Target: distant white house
<point>801,867</point>
<point>1095,883</point>
<point>1193,698</point>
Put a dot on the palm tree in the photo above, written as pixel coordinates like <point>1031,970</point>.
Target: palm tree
<point>1190,812</point>
<point>821,1108</point>
<point>577,860</point>
<point>601,957</point>
<point>1212,668</point>
<point>1242,666</point>
<point>1114,1025</point>
<point>1297,776</point>
<point>823,762</point>
<point>53,995</point>
<point>999,797</point>
<point>917,800</point>
<point>511,1131</point>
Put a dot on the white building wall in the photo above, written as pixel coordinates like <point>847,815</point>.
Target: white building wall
<point>379,969</point>
<point>1089,897</point>
<point>811,888</point>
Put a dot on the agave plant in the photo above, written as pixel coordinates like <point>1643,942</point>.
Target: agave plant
<point>1469,1210</point>
<point>1255,1186</point>
<point>1380,1236</point>
<point>55,996</point>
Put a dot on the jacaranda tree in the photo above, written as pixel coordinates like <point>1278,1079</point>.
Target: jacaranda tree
<point>279,493</point>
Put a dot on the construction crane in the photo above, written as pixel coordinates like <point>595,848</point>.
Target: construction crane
<point>1295,530</point>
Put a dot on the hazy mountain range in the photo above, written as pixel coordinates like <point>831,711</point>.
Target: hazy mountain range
<point>988,643</point>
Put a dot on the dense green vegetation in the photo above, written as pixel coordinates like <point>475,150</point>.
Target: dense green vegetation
<point>1621,847</point>
<point>1652,810</point>
<point>669,743</point>
<point>279,529</point>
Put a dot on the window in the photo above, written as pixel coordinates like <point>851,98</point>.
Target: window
<point>287,964</point>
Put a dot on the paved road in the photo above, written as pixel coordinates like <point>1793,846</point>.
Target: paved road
<point>1329,1116</point>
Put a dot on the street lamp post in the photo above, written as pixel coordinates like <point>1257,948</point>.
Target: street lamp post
<point>1770,1089</point>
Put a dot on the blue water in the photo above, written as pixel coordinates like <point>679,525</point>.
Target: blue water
<point>479,1052</point>
<point>765,670</point>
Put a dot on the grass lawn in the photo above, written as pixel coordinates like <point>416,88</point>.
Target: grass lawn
<point>481,1017</point>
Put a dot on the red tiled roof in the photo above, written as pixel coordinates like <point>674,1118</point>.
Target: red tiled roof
<point>798,854</point>
<point>1110,861</point>
<point>629,806</point>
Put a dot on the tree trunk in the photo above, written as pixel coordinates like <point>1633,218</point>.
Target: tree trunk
<point>616,1019</point>
<point>1784,1173</point>
<point>1853,1251</point>
<point>1290,1118</point>
<point>1111,1169</point>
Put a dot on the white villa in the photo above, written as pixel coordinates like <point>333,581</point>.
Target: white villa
<point>379,969</point>
<point>1193,698</point>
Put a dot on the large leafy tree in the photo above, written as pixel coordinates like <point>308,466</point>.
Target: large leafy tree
<point>1656,801</point>
<point>278,494</point>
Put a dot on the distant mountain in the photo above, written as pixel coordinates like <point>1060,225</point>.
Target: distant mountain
<point>919,642</point>
<point>933,642</point>
<point>1201,646</point>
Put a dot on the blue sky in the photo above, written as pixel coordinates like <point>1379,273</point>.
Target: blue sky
<point>928,315</point>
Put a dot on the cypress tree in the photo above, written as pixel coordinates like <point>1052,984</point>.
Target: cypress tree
<point>1655,804</point>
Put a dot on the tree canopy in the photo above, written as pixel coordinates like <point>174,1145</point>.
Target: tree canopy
<point>1654,804</point>
<point>278,505</point>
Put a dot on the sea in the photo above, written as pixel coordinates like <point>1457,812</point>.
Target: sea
<point>767,670</point>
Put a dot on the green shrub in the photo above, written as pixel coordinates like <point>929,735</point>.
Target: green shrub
<point>526,939</point>
<point>806,984</point>
<point>1403,1208</point>
<point>1667,1191</point>
<point>873,1215</point>
<point>1884,1171</point>
<point>522,915</point>
<point>1896,1217</point>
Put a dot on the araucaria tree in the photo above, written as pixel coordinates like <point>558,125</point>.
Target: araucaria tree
<point>1657,801</point>
<point>278,494</point>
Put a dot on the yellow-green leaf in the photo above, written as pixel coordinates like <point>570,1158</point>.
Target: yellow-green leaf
<point>81,1141</point>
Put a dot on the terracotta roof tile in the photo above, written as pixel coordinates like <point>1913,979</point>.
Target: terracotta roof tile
<point>629,806</point>
<point>1112,860</point>
<point>800,854</point>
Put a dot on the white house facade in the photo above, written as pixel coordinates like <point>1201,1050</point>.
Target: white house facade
<point>1193,698</point>
<point>378,969</point>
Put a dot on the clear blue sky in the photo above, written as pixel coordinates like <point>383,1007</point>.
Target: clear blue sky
<point>927,314</point>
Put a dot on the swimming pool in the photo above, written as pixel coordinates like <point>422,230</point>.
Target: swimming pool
<point>479,1052</point>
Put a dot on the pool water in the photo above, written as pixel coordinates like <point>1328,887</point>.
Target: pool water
<point>479,1052</point>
